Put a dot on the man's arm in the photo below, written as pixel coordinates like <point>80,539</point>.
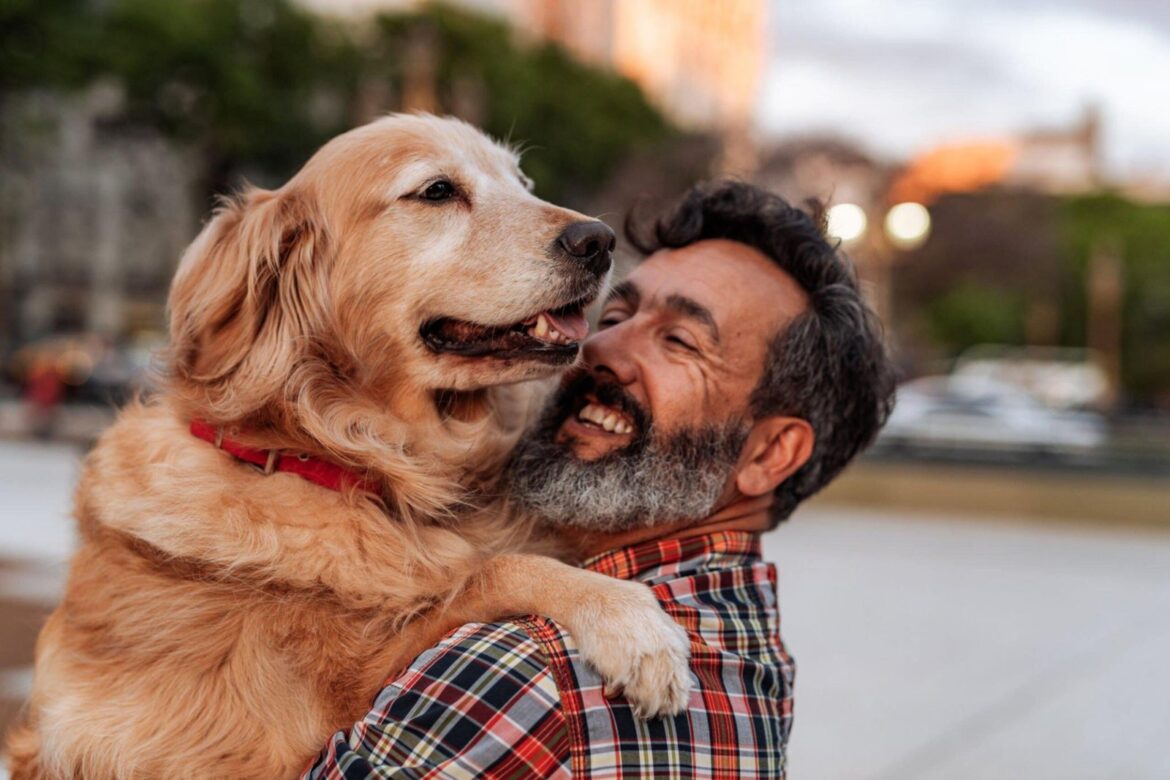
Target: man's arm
<point>483,703</point>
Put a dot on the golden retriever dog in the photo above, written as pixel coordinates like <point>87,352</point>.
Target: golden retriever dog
<point>377,317</point>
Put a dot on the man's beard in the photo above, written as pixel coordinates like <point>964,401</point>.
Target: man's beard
<point>655,479</point>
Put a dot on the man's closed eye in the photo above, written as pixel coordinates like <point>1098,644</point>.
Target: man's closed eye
<point>682,341</point>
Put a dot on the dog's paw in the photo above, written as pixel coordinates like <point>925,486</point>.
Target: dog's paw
<point>639,651</point>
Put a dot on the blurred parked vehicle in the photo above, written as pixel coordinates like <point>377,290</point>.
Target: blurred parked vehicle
<point>1058,377</point>
<point>68,387</point>
<point>959,414</point>
<point>86,368</point>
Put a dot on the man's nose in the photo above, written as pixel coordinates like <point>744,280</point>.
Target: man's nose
<point>608,352</point>
<point>589,243</point>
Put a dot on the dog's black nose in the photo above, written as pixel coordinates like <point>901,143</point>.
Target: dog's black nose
<point>590,243</point>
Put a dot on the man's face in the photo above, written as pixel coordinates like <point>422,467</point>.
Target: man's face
<point>651,430</point>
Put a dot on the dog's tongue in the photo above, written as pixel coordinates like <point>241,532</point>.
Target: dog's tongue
<point>572,325</point>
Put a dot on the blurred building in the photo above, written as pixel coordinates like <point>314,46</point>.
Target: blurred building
<point>94,217</point>
<point>1060,160</point>
<point>1056,161</point>
<point>828,169</point>
<point>833,172</point>
<point>700,61</point>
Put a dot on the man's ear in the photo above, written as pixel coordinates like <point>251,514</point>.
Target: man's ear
<point>775,449</point>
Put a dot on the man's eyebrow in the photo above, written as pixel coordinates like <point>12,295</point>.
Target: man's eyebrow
<point>627,292</point>
<point>689,307</point>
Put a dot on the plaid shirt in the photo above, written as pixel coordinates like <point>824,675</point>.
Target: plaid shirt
<point>514,699</point>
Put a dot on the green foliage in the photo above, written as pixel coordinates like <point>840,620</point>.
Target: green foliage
<point>1142,234</point>
<point>258,85</point>
<point>577,121</point>
<point>53,43</point>
<point>242,79</point>
<point>974,313</point>
<point>996,258</point>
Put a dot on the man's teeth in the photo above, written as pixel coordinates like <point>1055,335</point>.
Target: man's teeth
<point>545,331</point>
<point>607,418</point>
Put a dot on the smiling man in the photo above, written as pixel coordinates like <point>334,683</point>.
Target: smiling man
<point>735,372</point>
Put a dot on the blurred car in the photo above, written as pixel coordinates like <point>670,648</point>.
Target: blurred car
<point>89,368</point>
<point>957,414</point>
<point>1058,377</point>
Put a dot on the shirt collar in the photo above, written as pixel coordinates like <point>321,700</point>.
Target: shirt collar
<point>628,563</point>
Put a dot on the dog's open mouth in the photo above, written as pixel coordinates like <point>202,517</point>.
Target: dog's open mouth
<point>551,336</point>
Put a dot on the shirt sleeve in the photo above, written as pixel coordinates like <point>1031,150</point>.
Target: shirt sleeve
<point>481,704</point>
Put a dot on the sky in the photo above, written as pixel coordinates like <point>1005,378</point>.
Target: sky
<point>900,76</point>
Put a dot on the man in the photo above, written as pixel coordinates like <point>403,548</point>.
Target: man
<point>734,373</point>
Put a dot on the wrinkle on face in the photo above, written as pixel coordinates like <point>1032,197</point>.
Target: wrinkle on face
<point>732,299</point>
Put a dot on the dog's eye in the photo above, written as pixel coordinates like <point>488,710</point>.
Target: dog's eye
<point>440,190</point>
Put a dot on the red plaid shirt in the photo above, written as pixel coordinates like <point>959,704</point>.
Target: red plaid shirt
<point>514,699</point>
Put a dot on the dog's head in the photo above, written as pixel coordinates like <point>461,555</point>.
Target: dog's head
<point>408,256</point>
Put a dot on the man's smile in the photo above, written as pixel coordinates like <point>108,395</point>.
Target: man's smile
<point>608,418</point>
<point>599,423</point>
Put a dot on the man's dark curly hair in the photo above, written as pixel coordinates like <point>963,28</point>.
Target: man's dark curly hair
<point>829,365</point>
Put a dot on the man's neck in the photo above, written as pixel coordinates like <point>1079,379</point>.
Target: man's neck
<point>741,514</point>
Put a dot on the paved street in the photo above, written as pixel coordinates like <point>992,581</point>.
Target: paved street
<point>926,647</point>
<point>946,649</point>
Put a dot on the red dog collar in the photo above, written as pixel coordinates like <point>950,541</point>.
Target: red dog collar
<point>315,470</point>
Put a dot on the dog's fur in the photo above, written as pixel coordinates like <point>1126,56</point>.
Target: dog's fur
<point>219,622</point>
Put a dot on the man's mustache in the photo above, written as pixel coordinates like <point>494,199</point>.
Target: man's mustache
<point>608,392</point>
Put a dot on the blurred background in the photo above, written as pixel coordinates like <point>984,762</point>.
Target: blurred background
<point>985,593</point>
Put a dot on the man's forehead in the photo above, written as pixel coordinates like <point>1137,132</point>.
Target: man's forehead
<point>728,277</point>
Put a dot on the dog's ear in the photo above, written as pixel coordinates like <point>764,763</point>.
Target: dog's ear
<point>247,298</point>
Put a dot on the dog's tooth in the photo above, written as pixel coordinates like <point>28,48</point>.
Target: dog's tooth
<point>596,413</point>
<point>541,327</point>
<point>622,427</point>
<point>609,422</point>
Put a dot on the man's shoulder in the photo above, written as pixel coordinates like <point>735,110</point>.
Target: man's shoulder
<point>503,648</point>
<point>476,669</point>
<point>481,703</point>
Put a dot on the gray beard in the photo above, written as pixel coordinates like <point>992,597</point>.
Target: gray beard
<point>654,480</point>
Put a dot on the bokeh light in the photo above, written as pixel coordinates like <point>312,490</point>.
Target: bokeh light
<point>847,221</point>
<point>908,225</point>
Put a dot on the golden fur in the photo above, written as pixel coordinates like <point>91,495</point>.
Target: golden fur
<point>218,622</point>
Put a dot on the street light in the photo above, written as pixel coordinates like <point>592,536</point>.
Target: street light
<point>847,222</point>
<point>908,225</point>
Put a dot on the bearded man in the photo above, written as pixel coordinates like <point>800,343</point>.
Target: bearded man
<point>735,372</point>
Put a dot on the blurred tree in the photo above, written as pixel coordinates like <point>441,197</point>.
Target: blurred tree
<point>992,258</point>
<point>1140,233</point>
<point>257,85</point>
<point>49,43</point>
<point>974,313</point>
<point>578,122</point>
<point>1012,267</point>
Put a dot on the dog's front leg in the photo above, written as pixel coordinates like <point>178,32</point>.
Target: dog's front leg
<point>618,625</point>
